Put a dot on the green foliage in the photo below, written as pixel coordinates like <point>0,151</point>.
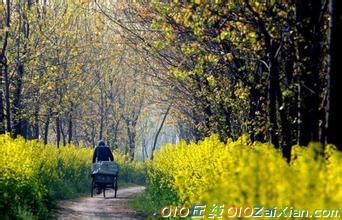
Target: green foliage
<point>130,171</point>
<point>245,173</point>
<point>143,203</point>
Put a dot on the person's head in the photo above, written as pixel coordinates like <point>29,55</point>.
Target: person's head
<point>101,143</point>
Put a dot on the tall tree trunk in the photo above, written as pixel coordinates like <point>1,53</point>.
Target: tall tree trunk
<point>17,105</point>
<point>7,99</point>
<point>132,145</point>
<point>292,101</point>
<point>131,133</point>
<point>24,28</point>
<point>333,111</point>
<point>159,130</point>
<point>93,134</point>
<point>70,127</point>
<point>62,132</point>
<point>16,110</point>
<point>2,113</point>
<point>286,143</point>
<point>143,149</point>
<point>25,129</point>
<point>115,131</point>
<point>4,75</point>
<point>47,124</point>
<point>58,131</point>
<point>272,96</point>
<point>309,49</point>
<point>36,122</point>
<point>101,114</point>
<point>2,116</point>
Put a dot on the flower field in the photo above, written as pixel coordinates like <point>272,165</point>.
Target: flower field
<point>34,175</point>
<point>242,173</point>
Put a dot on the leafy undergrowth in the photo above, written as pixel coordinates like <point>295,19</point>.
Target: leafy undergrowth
<point>33,176</point>
<point>242,173</point>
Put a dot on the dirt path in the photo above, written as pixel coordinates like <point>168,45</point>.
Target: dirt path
<point>101,208</point>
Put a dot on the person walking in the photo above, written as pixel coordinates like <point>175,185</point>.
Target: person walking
<point>102,153</point>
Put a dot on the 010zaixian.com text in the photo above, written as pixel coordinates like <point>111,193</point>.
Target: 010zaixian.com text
<point>231,211</point>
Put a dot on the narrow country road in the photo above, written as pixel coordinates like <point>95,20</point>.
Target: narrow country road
<point>101,208</point>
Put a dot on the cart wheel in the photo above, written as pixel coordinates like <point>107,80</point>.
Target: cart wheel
<point>116,186</point>
<point>92,188</point>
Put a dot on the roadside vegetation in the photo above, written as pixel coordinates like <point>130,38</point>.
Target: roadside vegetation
<point>197,75</point>
<point>33,176</point>
<point>242,173</point>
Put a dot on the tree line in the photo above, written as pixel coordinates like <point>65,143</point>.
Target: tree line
<point>67,76</point>
<point>264,68</point>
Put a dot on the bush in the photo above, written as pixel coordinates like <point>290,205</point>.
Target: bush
<point>245,173</point>
<point>34,175</point>
<point>130,171</point>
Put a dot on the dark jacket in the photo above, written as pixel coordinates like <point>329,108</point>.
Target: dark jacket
<point>102,153</point>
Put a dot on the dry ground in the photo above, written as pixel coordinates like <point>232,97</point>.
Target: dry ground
<point>101,208</point>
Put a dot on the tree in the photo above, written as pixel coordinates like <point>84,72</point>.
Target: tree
<point>255,67</point>
<point>159,129</point>
<point>334,74</point>
<point>5,14</point>
<point>310,16</point>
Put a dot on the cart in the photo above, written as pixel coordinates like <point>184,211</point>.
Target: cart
<point>104,176</point>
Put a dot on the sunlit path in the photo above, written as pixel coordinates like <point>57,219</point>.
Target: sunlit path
<point>101,208</point>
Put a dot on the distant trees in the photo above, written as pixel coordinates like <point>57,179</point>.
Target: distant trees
<point>78,71</point>
<point>67,76</point>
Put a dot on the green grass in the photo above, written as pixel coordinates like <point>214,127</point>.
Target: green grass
<point>144,205</point>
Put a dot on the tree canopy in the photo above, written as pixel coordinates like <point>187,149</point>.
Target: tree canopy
<point>88,70</point>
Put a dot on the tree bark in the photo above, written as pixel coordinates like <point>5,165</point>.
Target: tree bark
<point>70,127</point>
<point>309,50</point>
<point>17,105</point>
<point>272,95</point>
<point>63,133</point>
<point>47,124</point>
<point>115,130</point>
<point>4,76</point>
<point>2,115</point>
<point>36,122</point>
<point>58,131</point>
<point>333,111</point>
<point>159,130</point>
<point>143,149</point>
<point>101,114</point>
<point>7,100</point>
<point>286,143</point>
<point>131,133</point>
<point>16,110</point>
